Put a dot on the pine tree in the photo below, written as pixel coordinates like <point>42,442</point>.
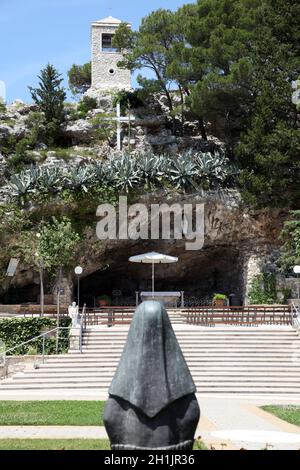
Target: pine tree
<point>80,78</point>
<point>50,97</point>
<point>269,149</point>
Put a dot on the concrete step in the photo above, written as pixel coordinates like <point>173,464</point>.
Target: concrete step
<point>233,360</point>
<point>203,347</point>
<point>224,370</point>
<point>255,389</point>
<point>205,339</point>
<point>198,331</point>
<point>197,378</point>
<point>196,373</point>
<point>205,356</point>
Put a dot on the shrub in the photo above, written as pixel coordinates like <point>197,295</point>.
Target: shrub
<point>263,289</point>
<point>2,107</point>
<point>22,156</point>
<point>128,99</point>
<point>86,104</point>
<point>219,297</point>
<point>19,330</point>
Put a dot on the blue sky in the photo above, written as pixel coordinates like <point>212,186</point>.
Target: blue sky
<point>35,32</point>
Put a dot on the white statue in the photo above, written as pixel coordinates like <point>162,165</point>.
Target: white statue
<point>74,313</point>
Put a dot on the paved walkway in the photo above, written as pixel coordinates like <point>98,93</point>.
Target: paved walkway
<point>241,423</point>
<point>52,432</point>
<point>226,423</point>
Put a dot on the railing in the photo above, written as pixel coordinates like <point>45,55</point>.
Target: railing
<point>7,352</point>
<point>109,316</point>
<point>245,315</point>
<point>82,327</point>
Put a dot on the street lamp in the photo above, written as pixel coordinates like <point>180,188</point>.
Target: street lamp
<point>78,271</point>
<point>296,270</point>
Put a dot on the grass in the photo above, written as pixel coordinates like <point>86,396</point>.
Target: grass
<point>289,413</point>
<point>63,444</point>
<point>51,413</point>
<point>54,444</point>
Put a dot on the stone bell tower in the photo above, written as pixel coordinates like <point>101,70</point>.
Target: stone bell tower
<point>105,73</point>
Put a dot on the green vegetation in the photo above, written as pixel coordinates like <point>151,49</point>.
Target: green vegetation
<point>63,444</point>
<point>54,444</point>
<point>105,128</point>
<point>86,104</point>
<point>16,331</point>
<point>290,236</point>
<point>232,63</point>
<point>54,244</point>
<point>263,289</point>
<point>154,47</point>
<point>289,413</point>
<point>219,297</point>
<point>128,99</point>
<point>2,106</point>
<point>187,171</point>
<point>50,97</point>
<point>51,413</point>
<point>80,78</point>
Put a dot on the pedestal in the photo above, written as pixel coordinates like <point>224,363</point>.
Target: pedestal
<point>75,339</point>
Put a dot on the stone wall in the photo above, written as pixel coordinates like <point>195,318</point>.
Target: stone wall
<point>16,364</point>
<point>103,62</point>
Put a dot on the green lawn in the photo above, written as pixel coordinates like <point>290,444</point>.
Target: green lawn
<point>63,444</point>
<point>54,444</point>
<point>289,413</point>
<point>51,413</point>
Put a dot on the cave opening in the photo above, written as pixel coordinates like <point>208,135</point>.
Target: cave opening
<point>199,274</point>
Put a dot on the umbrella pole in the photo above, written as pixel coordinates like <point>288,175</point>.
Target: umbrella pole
<point>152,280</point>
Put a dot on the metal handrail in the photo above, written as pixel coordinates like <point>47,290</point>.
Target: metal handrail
<point>82,327</point>
<point>43,335</point>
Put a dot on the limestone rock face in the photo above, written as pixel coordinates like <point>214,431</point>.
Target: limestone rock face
<point>3,168</point>
<point>79,131</point>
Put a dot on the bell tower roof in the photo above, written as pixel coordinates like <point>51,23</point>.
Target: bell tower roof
<point>109,20</point>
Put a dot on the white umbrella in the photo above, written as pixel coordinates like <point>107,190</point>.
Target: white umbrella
<point>153,258</point>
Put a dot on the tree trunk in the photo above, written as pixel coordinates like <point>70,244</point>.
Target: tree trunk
<point>202,129</point>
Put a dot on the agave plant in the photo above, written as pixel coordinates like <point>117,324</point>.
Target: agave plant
<point>99,171</point>
<point>183,171</point>
<point>149,166</point>
<point>125,172</point>
<point>212,167</point>
<point>50,180</point>
<point>23,184</point>
<point>80,178</point>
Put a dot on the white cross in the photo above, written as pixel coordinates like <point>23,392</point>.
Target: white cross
<point>121,120</point>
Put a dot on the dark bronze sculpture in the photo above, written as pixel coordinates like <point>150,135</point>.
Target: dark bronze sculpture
<point>152,402</point>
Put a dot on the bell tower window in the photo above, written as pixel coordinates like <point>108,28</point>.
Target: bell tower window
<point>107,43</point>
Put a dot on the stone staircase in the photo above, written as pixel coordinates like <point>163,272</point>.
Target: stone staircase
<point>263,360</point>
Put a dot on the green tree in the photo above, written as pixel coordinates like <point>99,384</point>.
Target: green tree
<point>151,48</point>
<point>269,149</point>
<point>80,78</point>
<point>50,97</point>
<point>54,244</point>
<point>219,34</point>
<point>290,237</point>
